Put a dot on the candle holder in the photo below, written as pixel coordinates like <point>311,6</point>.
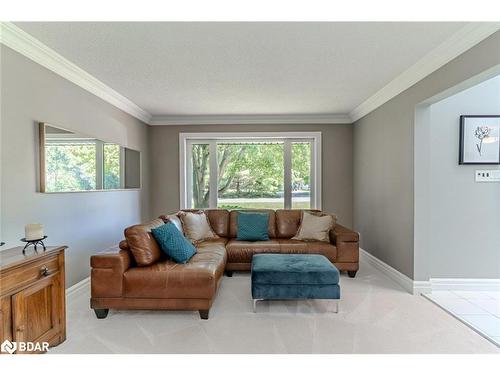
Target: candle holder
<point>33,243</point>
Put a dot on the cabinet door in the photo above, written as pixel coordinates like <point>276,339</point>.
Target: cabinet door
<point>36,310</point>
<point>5,319</point>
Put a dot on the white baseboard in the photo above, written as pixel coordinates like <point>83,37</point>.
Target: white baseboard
<point>465,284</point>
<point>433,284</point>
<point>78,286</point>
<point>422,287</point>
<point>389,271</point>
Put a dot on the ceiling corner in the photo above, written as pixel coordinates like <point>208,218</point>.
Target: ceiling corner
<point>464,39</point>
<point>25,44</point>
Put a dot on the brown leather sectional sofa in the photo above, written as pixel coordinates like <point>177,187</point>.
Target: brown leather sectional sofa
<point>146,279</point>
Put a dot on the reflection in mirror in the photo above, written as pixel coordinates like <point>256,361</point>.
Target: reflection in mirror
<point>75,162</point>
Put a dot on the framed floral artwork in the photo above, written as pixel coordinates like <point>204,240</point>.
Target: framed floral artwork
<point>479,139</point>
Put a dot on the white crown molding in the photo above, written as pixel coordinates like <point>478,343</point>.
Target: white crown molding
<point>22,42</point>
<point>25,44</point>
<point>458,43</point>
<point>250,119</point>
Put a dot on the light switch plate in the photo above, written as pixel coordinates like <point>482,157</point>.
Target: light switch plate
<point>491,175</point>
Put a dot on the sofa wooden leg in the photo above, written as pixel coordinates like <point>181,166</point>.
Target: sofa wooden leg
<point>351,273</point>
<point>204,314</point>
<point>229,273</point>
<point>101,313</point>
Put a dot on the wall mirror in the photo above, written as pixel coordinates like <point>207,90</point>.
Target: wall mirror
<point>73,162</point>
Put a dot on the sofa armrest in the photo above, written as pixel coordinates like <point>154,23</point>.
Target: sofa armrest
<point>347,243</point>
<point>106,276</point>
<point>343,234</point>
<point>119,260</point>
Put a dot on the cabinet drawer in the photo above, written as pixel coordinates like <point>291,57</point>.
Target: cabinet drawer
<point>19,277</point>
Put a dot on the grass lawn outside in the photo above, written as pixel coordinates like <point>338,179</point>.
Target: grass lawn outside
<point>258,204</point>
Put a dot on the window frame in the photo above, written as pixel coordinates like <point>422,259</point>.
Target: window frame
<point>210,138</point>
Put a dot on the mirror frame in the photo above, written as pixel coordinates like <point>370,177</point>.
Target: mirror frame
<point>42,163</point>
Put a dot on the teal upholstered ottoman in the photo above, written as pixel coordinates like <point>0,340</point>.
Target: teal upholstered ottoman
<point>294,276</point>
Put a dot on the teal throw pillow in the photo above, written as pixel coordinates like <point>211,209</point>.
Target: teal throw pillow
<point>253,226</point>
<point>173,243</point>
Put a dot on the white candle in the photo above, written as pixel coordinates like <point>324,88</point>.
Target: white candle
<point>33,231</point>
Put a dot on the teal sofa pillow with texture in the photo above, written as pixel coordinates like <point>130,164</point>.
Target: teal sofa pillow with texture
<point>173,243</point>
<point>253,226</point>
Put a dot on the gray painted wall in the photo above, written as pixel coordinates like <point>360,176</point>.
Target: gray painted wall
<point>381,167</point>
<point>384,159</point>
<point>1,235</point>
<point>86,222</point>
<point>1,132</point>
<point>336,175</point>
<point>464,215</point>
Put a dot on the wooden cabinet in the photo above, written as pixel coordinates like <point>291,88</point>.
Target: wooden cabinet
<point>32,296</point>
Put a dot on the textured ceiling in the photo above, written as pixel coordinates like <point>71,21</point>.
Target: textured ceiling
<point>243,68</point>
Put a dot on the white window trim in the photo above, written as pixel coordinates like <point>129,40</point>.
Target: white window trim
<point>289,137</point>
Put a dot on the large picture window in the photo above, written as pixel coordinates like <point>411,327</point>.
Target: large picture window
<point>252,170</point>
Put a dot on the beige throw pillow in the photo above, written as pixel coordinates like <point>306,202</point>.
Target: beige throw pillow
<point>174,219</point>
<point>314,227</point>
<point>196,226</point>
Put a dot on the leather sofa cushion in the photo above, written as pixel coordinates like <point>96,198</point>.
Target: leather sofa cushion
<point>308,247</point>
<point>243,251</point>
<point>142,244</point>
<point>219,220</point>
<point>287,223</point>
<point>212,244</point>
<point>233,222</point>
<point>292,246</point>
<point>198,278</point>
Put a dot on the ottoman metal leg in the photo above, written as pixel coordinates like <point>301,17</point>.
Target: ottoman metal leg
<point>337,302</point>
<point>255,304</point>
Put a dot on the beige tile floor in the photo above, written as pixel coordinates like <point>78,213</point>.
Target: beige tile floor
<point>376,316</point>
<point>478,309</point>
